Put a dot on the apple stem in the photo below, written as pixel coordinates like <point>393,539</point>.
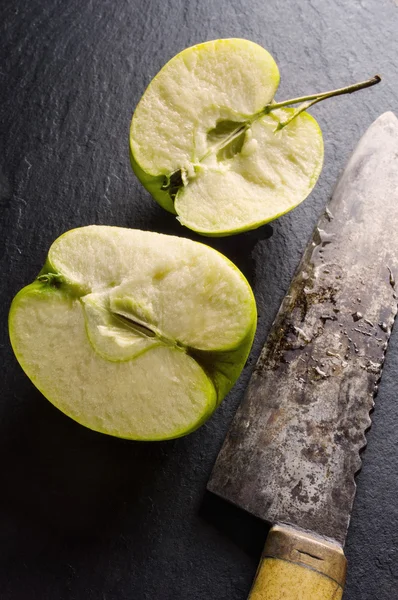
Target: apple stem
<point>307,101</point>
<point>176,180</point>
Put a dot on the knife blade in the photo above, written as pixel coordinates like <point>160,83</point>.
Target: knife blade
<point>293,449</point>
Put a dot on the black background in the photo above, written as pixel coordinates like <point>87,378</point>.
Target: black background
<point>87,517</point>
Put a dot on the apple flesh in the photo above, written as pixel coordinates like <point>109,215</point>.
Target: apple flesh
<point>132,333</point>
<point>202,145</point>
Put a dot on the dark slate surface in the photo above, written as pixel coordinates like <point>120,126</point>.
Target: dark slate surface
<point>87,517</point>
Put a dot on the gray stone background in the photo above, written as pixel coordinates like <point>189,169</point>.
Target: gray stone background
<point>87,517</point>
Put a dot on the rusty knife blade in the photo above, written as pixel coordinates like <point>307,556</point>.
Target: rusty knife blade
<point>294,446</point>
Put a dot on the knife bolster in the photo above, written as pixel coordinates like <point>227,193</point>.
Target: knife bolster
<point>297,565</point>
<point>305,549</point>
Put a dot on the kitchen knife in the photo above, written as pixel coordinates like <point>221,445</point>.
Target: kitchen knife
<point>292,451</point>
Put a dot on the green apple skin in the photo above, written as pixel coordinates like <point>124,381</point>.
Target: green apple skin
<point>175,386</point>
<point>299,145</point>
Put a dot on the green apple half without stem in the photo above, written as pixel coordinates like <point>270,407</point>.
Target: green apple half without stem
<point>210,144</point>
<point>132,333</point>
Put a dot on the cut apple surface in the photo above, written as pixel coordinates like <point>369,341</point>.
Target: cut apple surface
<point>202,144</point>
<point>135,334</point>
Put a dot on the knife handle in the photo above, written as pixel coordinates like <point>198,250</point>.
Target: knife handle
<point>299,566</point>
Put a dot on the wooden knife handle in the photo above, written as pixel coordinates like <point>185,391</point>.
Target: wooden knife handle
<point>298,566</point>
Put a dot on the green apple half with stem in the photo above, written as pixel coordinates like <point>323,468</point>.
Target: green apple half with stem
<point>133,333</point>
<point>211,145</point>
